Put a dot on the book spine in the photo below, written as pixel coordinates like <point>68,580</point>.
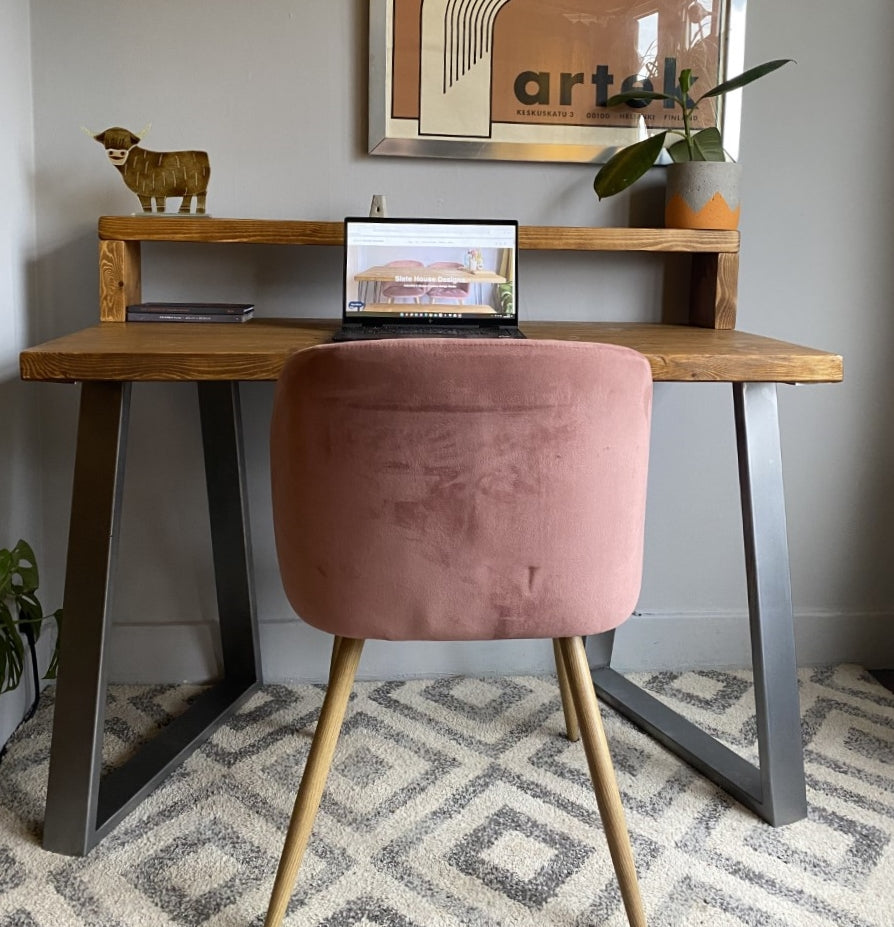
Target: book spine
<point>193,308</point>
<point>183,317</point>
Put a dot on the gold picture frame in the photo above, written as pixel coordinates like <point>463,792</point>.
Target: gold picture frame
<point>526,80</point>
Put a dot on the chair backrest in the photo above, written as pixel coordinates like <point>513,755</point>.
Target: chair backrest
<point>440,489</point>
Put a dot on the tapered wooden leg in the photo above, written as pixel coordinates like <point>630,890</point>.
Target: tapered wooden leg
<point>346,656</point>
<point>602,772</point>
<point>571,725</point>
<point>335,642</point>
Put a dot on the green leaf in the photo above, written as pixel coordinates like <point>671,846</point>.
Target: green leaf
<point>30,612</point>
<point>25,565</point>
<point>53,668</point>
<point>746,77</point>
<point>6,619</point>
<point>708,144</point>
<point>5,571</point>
<point>627,166</point>
<point>28,580</point>
<point>19,608</point>
<point>22,553</point>
<point>12,651</point>
<point>679,151</point>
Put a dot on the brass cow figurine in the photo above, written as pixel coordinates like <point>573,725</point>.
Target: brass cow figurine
<point>156,175</point>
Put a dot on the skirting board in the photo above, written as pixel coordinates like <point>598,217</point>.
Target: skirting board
<point>291,651</point>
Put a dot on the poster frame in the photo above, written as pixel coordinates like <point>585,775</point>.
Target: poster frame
<point>594,144</point>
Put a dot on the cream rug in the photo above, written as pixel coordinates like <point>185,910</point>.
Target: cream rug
<point>458,802</point>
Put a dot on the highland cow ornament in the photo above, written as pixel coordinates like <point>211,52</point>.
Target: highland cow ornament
<point>156,175</point>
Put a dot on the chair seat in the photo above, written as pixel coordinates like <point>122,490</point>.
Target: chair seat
<point>460,490</point>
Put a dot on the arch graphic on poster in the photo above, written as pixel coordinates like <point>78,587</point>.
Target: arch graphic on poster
<point>455,67</point>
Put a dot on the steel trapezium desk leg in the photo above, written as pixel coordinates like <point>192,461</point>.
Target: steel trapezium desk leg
<point>230,537</point>
<point>775,790</point>
<point>83,806</point>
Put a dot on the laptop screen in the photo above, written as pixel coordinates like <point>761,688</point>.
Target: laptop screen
<point>438,271</point>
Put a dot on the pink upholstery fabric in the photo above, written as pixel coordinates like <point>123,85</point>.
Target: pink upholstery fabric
<point>459,291</point>
<point>403,290</point>
<point>439,489</point>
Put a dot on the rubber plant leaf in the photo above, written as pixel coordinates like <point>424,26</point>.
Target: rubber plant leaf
<point>628,165</point>
<point>746,77</point>
<point>708,145</point>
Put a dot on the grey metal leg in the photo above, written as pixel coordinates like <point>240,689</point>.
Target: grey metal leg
<point>783,789</point>
<point>599,648</point>
<point>230,537</point>
<point>776,789</point>
<point>82,806</point>
<point>76,755</point>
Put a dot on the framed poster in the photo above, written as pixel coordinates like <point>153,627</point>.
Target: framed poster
<point>528,79</point>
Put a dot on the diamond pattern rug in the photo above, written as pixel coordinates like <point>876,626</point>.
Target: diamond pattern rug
<point>457,803</point>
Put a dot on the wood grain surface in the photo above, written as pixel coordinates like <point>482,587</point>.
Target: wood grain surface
<point>256,350</point>
<point>309,232</point>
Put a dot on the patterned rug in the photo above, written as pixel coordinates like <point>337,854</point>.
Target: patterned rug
<point>457,802</point>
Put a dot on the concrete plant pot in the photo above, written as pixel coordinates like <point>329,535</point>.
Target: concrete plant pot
<point>702,195</point>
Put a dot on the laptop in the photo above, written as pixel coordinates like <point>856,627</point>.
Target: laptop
<point>412,278</point>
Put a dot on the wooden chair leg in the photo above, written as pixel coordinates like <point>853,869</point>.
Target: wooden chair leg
<point>346,656</point>
<point>603,775</point>
<point>335,643</point>
<point>571,725</point>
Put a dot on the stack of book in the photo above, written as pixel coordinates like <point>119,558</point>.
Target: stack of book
<point>190,312</point>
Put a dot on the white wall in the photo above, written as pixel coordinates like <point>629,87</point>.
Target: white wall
<point>819,271</point>
<point>19,449</point>
<point>275,90</point>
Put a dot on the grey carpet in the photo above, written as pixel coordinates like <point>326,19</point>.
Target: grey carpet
<point>458,802</point>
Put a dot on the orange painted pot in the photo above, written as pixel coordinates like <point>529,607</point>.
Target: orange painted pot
<point>702,195</point>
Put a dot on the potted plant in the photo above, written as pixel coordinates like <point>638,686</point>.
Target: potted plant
<point>702,184</point>
<point>21,616</point>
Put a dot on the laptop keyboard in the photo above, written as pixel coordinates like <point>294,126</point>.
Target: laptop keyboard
<point>375,332</point>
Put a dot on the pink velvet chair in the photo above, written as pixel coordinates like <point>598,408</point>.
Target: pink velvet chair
<point>459,292</point>
<point>392,291</point>
<point>461,490</point>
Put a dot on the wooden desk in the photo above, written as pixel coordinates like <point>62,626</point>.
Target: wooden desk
<point>256,350</point>
<point>106,358</point>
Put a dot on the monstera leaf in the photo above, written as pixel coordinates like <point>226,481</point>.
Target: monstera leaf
<point>20,613</point>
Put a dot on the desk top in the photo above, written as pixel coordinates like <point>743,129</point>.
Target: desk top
<point>257,350</point>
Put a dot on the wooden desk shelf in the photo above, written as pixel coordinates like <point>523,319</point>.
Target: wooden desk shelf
<point>713,286</point>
